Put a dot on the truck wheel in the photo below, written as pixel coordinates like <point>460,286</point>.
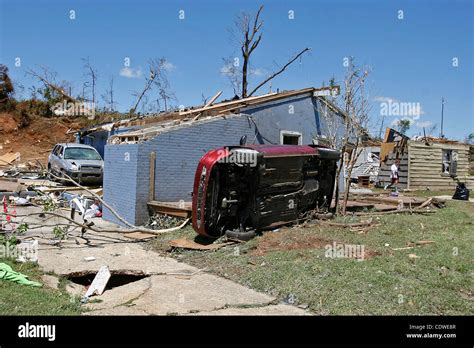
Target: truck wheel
<point>239,235</point>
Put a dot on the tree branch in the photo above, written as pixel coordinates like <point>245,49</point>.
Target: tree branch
<point>279,71</point>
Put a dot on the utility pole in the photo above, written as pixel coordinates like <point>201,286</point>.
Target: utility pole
<point>442,117</point>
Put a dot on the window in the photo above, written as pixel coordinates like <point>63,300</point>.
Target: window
<point>449,165</point>
<point>58,151</point>
<point>80,153</point>
<point>290,138</point>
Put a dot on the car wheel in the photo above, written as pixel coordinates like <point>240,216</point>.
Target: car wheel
<point>239,235</point>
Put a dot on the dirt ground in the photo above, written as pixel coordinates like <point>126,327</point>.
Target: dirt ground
<point>287,239</point>
<point>34,142</point>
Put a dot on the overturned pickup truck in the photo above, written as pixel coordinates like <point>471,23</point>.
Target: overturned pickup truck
<point>242,190</point>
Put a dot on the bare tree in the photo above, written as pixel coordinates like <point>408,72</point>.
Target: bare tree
<point>356,110</point>
<point>108,96</point>
<point>249,29</point>
<point>54,89</point>
<point>331,118</point>
<point>146,88</point>
<point>156,79</point>
<point>275,74</point>
<point>91,73</point>
<point>162,83</point>
<point>232,71</point>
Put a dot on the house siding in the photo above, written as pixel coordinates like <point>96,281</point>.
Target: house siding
<point>426,163</point>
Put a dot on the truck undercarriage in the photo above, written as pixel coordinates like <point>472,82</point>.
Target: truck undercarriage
<point>246,189</point>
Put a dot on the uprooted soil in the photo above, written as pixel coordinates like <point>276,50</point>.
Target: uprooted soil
<point>35,140</point>
<point>290,239</point>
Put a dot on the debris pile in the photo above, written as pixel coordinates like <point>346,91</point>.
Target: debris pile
<point>163,221</point>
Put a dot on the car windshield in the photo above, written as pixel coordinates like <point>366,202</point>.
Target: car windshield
<point>80,153</point>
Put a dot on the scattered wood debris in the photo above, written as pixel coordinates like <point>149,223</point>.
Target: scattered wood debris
<point>9,158</point>
<point>184,243</point>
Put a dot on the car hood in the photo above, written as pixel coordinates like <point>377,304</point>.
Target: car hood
<point>87,162</point>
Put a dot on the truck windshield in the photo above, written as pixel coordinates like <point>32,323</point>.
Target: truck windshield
<point>80,153</point>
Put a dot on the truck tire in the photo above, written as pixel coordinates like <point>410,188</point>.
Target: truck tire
<point>243,236</point>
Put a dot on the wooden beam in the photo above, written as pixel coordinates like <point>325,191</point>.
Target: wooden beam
<point>209,103</point>
<point>151,189</point>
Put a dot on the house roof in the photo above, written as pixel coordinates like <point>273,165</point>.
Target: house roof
<point>192,113</point>
<point>153,125</point>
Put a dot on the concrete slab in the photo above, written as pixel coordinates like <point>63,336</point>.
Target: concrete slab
<point>119,295</point>
<point>119,256</point>
<point>279,309</point>
<point>50,281</point>
<point>201,292</point>
<point>121,310</point>
<point>75,289</point>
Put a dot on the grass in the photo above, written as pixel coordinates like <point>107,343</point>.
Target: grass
<point>18,299</point>
<point>291,264</point>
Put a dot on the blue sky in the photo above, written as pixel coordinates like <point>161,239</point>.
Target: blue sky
<point>411,58</point>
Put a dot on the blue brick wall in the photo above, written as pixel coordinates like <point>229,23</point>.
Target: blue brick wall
<point>296,113</point>
<point>120,181</point>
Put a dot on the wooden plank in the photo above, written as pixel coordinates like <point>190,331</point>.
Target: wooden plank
<point>171,208</point>
<point>384,207</point>
<point>394,200</point>
<point>9,158</point>
<point>189,244</point>
<point>151,188</point>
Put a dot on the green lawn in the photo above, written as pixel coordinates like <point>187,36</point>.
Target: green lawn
<point>18,299</point>
<point>291,264</point>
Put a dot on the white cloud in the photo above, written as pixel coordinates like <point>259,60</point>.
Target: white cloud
<point>384,99</point>
<point>425,124</point>
<point>168,66</point>
<point>257,72</point>
<point>131,73</point>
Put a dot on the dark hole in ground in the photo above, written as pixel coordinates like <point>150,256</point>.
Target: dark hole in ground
<point>116,279</point>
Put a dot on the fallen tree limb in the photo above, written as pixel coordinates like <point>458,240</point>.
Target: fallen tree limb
<point>87,227</point>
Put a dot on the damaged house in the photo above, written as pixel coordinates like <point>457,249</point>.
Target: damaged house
<point>426,162</point>
<point>150,163</point>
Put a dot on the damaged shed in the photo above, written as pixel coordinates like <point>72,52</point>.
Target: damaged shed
<point>426,162</point>
<point>154,166</point>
